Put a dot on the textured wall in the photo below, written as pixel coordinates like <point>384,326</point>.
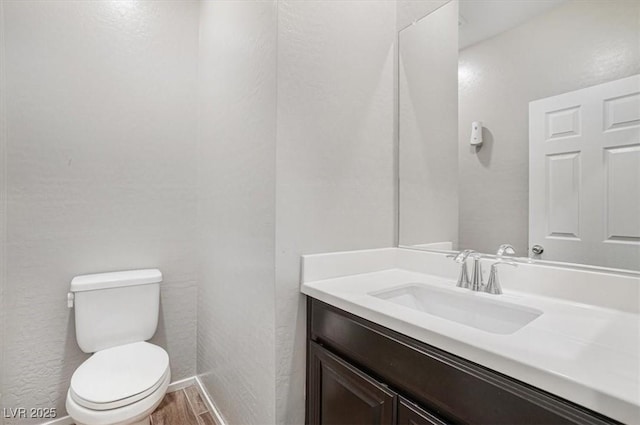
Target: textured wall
<point>101,146</point>
<point>80,199</point>
<point>579,44</point>
<point>237,142</point>
<point>410,11</point>
<point>428,128</point>
<point>335,155</point>
<point>3,202</point>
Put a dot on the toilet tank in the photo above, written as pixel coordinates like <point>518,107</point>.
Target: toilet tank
<point>115,308</point>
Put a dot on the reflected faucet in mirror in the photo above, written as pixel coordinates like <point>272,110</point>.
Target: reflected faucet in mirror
<point>505,248</point>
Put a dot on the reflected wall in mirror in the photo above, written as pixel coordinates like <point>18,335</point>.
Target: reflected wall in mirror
<point>555,84</point>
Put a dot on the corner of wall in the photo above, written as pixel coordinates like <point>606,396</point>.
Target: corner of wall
<point>3,200</point>
<point>236,163</point>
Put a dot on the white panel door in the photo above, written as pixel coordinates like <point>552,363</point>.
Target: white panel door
<point>584,175</point>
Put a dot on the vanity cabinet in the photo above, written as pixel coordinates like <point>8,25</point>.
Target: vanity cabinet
<point>359,372</point>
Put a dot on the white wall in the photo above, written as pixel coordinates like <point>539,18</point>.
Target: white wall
<point>335,155</point>
<point>237,142</point>
<point>428,129</point>
<point>3,199</point>
<point>100,169</point>
<point>410,11</point>
<point>577,45</point>
<point>333,178</point>
<point>95,86</point>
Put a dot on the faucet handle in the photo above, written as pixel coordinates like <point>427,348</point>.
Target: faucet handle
<point>506,248</point>
<point>463,277</point>
<point>493,284</point>
<point>461,256</point>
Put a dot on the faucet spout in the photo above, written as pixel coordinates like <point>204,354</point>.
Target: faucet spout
<point>493,285</point>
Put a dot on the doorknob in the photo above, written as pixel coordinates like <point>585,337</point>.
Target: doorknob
<point>537,249</point>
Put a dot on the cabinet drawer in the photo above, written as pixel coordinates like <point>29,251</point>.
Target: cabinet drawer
<point>451,387</point>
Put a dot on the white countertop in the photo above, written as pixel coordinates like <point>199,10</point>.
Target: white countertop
<point>584,353</point>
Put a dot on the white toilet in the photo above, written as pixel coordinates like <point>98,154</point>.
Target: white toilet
<point>126,378</point>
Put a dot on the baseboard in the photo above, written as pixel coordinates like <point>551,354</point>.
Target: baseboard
<point>183,383</point>
<point>174,386</point>
<point>213,409</point>
<point>65,420</point>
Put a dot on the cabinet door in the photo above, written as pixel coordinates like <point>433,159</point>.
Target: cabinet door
<point>410,414</point>
<point>340,394</point>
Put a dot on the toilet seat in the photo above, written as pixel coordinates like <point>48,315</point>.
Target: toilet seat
<point>119,376</point>
<point>133,414</point>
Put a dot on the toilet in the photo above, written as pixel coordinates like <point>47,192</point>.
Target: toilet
<point>125,378</point>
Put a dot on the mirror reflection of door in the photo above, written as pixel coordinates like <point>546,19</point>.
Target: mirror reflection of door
<point>508,55</point>
<point>584,174</point>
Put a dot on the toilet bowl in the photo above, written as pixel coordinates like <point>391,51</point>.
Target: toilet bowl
<point>119,386</point>
<point>125,378</point>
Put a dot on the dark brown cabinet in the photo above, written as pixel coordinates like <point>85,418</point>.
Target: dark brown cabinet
<point>346,396</point>
<point>411,414</point>
<point>359,372</point>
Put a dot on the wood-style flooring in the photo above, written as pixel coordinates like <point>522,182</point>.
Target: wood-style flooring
<point>182,407</point>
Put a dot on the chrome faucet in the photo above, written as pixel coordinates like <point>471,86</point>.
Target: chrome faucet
<point>475,283</point>
<point>506,248</point>
<point>461,258</point>
<point>476,274</point>
<point>493,284</point>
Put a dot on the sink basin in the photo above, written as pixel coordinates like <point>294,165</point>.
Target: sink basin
<point>467,308</point>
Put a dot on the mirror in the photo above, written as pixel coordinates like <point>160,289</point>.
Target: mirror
<point>552,89</point>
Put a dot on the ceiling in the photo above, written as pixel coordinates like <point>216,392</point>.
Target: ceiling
<point>482,19</point>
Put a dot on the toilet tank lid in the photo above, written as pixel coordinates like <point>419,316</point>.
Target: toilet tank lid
<point>92,282</point>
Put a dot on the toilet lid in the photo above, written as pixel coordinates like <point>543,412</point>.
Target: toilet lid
<point>119,376</point>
